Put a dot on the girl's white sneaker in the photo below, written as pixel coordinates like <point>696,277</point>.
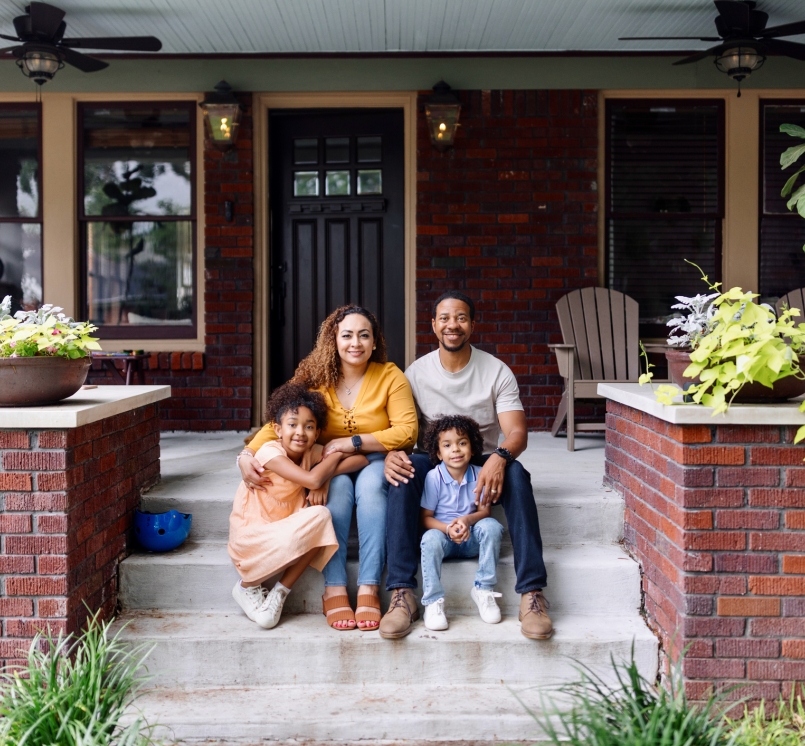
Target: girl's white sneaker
<point>249,599</point>
<point>487,606</point>
<point>435,618</point>
<point>268,615</point>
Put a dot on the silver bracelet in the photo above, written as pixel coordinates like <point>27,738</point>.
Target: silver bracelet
<point>244,452</point>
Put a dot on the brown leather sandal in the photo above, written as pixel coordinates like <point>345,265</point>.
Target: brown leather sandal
<point>368,610</point>
<point>337,609</point>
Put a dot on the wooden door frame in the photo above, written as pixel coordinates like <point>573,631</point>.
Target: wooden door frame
<point>262,103</point>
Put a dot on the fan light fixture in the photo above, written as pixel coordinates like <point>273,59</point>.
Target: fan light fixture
<point>442,110</point>
<point>739,61</point>
<point>39,65</point>
<point>222,112</point>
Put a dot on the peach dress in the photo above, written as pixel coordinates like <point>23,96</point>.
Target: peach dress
<point>271,529</point>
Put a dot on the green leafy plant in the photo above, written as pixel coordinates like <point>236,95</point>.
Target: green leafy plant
<point>784,726</point>
<point>631,712</point>
<point>44,333</point>
<point>75,692</point>
<point>788,158</point>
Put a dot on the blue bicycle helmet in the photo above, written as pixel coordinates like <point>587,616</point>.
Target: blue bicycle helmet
<point>161,532</point>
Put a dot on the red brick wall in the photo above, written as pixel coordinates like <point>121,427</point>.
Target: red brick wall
<point>68,497</point>
<point>213,391</point>
<point>509,216</point>
<point>712,516</point>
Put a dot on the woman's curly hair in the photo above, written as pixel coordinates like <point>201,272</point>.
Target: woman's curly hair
<point>465,426</point>
<point>322,367</point>
<point>289,397</point>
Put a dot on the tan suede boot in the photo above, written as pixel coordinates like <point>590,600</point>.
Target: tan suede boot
<point>534,620</point>
<point>399,619</point>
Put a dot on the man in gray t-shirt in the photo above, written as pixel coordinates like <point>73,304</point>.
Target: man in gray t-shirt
<point>460,379</point>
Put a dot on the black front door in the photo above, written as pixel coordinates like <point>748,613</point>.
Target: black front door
<point>337,215</point>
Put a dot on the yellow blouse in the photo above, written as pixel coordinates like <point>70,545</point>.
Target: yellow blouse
<point>384,408</point>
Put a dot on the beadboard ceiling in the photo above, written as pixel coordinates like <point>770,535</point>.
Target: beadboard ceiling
<point>372,26</point>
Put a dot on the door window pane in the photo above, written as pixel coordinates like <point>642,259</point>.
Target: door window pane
<point>370,182</point>
<point>140,273</point>
<point>336,149</point>
<point>305,151</point>
<point>137,161</point>
<point>337,183</point>
<point>306,184</point>
<point>370,149</point>
<point>19,163</point>
<point>21,265</point>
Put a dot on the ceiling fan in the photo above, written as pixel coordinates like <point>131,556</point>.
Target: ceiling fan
<point>44,49</point>
<point>744,40</point>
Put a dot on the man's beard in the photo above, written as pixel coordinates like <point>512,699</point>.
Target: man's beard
<point>454,348</point>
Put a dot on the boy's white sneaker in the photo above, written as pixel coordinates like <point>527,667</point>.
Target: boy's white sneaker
<point>268,615</point>
<point>249,599</point>
<point>487,606</point>
<point>435,618</point>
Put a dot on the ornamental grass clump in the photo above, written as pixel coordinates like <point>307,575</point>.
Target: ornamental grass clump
<point>631,712</point>
<point>75,692</point>
<point>47,332</point>
<point>783,726</point>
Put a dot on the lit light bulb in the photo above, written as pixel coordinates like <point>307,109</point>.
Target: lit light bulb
<point>224,128</point>
<point>442,126</point>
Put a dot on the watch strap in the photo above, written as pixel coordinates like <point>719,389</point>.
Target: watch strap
<point>357,441</point>
<point>505,454</point>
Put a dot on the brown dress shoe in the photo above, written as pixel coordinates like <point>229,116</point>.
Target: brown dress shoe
<point>400,617</point>
<point>534,620</point>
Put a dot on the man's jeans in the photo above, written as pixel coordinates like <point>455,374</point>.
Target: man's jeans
<point>484,543</point>
<point>403,533</point>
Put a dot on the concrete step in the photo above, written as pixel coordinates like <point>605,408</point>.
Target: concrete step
<point>371,714</point>
<point>199,577</point>
<point>219,650</point>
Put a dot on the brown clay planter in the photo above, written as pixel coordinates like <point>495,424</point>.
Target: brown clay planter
<point>751,393</point>
<point>36,381</point>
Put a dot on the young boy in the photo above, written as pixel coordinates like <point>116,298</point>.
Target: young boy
<point>456,525</point>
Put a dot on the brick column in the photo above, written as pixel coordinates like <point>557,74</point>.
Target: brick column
<point>711,515</point>
<point>68,498</point>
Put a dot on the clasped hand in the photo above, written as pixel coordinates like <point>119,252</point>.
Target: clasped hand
<point>458,531</point>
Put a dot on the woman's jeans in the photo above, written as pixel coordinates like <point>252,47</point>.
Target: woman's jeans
<point>366,491</point>
<point>484,543</point>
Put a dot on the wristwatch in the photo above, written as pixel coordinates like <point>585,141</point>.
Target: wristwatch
<point>505,454</point>
<point>357,442</point>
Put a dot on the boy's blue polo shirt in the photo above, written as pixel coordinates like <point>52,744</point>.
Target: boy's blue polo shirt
<point>446,497</point>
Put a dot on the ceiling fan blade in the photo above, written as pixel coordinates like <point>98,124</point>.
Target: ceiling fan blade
<point>124,43</point>
<point>679,38</point>
<point>9,49</point>
<point>699,55</point>
<point>785,48</point>
<point>10,38</point>
<point>81,61</point>
<point>45,19</point>
<point>787,29</point>
<point>734,13</point>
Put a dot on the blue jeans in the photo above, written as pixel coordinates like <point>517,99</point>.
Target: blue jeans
<point>366,491</point>
<point>518,502</point>
<point>484,543</point>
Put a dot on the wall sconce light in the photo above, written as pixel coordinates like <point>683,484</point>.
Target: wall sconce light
<point>442,110</point>
<point>222,112</point>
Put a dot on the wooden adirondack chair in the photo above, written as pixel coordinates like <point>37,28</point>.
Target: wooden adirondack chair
<point>601,345</point>
<point>792,299</point>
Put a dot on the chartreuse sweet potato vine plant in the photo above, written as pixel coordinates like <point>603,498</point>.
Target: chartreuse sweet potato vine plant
<point>745,342</point>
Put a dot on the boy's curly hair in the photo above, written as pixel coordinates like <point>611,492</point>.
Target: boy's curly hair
<point>322,367</point>
<point>465,426</point>
<point>289,397</point>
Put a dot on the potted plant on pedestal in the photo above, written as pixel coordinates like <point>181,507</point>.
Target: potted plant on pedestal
<point>44,355</point>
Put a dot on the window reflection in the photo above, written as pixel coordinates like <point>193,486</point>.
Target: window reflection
<point>21,264</point>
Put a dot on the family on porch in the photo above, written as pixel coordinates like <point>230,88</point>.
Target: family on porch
<point>340,436</point>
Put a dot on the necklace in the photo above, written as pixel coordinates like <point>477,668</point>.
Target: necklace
<point>348,389</point>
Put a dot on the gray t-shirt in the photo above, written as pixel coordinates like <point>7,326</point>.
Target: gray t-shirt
<point>482,389</point>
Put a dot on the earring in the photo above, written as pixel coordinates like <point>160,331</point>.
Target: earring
<point>374,348</point>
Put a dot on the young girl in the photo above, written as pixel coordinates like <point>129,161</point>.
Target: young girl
<point>456,526</point>
<point>282,528</point>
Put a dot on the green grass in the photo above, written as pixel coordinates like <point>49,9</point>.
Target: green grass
<point>784,726</point>
<point>74,692</point>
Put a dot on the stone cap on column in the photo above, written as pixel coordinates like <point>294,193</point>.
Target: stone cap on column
<point>642,398</point>
<point>83,407</point>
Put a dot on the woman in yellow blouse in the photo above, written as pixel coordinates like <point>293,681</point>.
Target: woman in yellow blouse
<point>371,411</point>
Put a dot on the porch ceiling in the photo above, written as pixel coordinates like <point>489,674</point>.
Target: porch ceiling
<point>372,26</point>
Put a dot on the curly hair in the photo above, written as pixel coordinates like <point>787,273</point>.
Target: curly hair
<point>465,426</point>
<point>322,367</point>
<point>289,397</point>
